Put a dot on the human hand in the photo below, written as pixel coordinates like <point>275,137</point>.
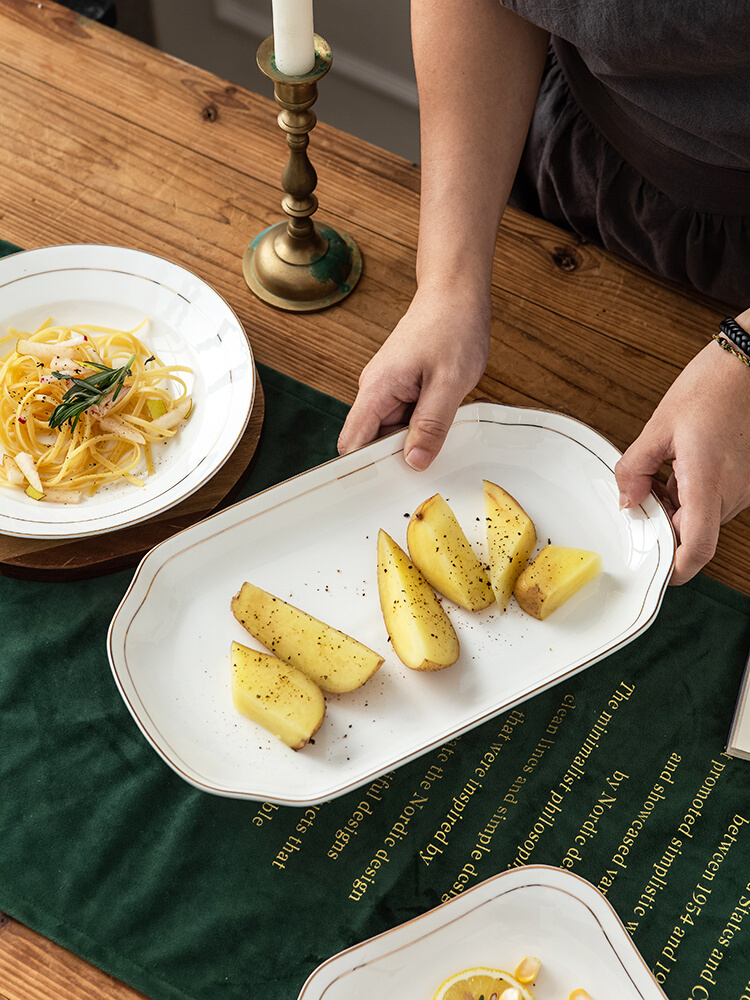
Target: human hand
<point>435,356</point>
<point>702,427</point>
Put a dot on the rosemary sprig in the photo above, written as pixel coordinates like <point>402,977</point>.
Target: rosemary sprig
<point>89,391</point>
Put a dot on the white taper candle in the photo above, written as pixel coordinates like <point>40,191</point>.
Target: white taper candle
<point>294,49</point>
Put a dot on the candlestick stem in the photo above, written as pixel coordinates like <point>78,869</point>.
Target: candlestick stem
<point>300,265</point>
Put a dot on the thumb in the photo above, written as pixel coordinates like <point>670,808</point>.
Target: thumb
<point>643,459</point>
<point>428,427</point>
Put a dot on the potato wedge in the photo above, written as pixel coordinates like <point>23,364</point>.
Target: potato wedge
<point>276,696</point>
<point>441,550</point>
<point>511,538</point>
<point>421,632</point>
<point>336,662</point>
<point>554,576</point>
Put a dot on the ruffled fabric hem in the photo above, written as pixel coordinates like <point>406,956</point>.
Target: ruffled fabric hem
<point>571,176</point>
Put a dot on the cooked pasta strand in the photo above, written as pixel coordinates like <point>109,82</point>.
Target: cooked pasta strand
<point>111,437</point>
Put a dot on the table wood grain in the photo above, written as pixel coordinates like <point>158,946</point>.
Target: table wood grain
<point>106,140</point>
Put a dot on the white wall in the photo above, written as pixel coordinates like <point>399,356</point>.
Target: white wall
<point>370,90</point>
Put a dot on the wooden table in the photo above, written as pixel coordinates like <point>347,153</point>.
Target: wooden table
<point>105,140</point>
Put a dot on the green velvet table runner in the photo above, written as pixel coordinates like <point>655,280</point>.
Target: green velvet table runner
<point>618,775</point>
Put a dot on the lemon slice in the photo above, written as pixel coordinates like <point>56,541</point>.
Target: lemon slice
<point>474,984</point>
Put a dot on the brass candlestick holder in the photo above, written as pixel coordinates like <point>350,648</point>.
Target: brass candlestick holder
<point>299,265</point>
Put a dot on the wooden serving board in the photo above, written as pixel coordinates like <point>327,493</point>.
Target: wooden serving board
<point>74,559</point>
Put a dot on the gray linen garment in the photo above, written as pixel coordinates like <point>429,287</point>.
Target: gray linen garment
<point>641,136</point>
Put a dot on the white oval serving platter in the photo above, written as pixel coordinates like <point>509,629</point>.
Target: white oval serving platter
<point>312,541</point>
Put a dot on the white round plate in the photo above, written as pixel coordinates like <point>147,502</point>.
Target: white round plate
<point>541,911</point>
<point>190,324</point>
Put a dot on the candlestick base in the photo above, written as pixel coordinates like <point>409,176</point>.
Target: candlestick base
<point>302,278</point>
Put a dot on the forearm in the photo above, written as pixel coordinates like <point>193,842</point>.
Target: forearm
<point>478,70</point>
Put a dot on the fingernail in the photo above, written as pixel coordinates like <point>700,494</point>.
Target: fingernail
<point>624,501</point>
<point>418,459</point>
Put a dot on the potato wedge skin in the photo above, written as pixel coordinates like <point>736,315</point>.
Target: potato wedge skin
<point>421,632</point>
<point>553,577</point>
<point>335,661</point>
<point>511,537</point>
<point>278,697</point>
<point>441,550</point>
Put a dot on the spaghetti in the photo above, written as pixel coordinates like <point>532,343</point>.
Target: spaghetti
<point>82,406</point>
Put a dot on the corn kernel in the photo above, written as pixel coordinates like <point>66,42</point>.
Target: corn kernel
<point>528,969</point>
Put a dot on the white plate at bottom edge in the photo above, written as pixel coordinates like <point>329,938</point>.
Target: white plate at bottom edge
<point>537,910</point>
<point>312,541</point>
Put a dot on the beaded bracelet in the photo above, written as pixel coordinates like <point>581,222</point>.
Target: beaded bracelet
<point>728,347</point>
<point>734,339</point>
